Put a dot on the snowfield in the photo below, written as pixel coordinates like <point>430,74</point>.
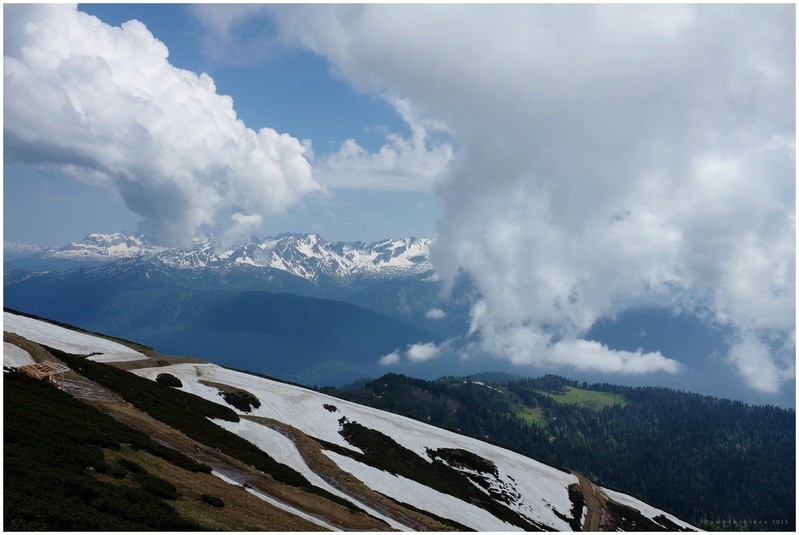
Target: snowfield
<point>645,509</point>
<point>283,450</point>
<point>68,340</point>
<point>14,356</point>
<point>422,497</point>
<point>531,482</point>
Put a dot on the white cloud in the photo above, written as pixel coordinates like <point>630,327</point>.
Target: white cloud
<point>391,358</point>
<point>436,314</point>
<point>756,362</point>
<point>649,161</point>
<point>228,29</point>
<point>412,163</point>
<point>104,105</point>
<point>422,352</point>
<point>525,344</point>
<point>400,164</point>
<point>242,227</point>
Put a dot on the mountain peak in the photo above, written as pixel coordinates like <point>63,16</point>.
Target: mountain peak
<point>305,255</point>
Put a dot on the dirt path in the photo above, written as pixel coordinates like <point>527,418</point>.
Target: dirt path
<point>595,503</point>
<point>329,514</point>
<point>328,470</point>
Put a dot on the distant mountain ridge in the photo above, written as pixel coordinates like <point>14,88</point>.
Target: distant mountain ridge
<point>18,250</point>
<point>308,256</point>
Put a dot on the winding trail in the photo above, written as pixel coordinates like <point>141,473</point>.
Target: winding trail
<point>595,503</point>
<point>311,452</point>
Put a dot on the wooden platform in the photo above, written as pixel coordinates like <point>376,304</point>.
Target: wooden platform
<point>52,371</point>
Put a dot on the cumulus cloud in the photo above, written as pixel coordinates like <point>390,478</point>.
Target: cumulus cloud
<point>608,157</point>
<point>755,360</point>
<point>527,344</point>
<point>412,163</point>
<point>400,164</point>
<point>413,353</point>
<point>423,352</point>
<point>103,104</point>
<point>391,358</point>
<point>242,227</point>
<point>436,314</point>
<point>417,161</point>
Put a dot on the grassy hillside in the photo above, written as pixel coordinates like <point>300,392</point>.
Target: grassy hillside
<point>54,463</point>
<point>591,399</point>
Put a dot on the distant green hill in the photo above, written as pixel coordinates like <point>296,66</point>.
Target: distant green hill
<point>718,463</point>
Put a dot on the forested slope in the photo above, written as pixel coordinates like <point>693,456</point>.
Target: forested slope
<point>719,463</point>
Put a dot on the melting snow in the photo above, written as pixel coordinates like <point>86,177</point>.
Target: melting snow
<point>68,340</point>
<point>283,450</point>
<point>521,476</point>
<point>15,357</point>
<point>280,505</point>
<point>645,509</point>
<point>422,497</point>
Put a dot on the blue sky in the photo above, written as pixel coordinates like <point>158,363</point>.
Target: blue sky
<point>290,90</point>
<point>581,162</point>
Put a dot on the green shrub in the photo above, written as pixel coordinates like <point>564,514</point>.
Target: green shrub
<point>157,486</point>
<point>244,401</point>
<point>168,380</point>
<point>130,465</point>
<point>47,486</point>
<point>212,500</point>
<point>117,472</point>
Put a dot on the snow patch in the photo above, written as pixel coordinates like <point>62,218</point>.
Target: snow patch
<point>68,340</point>
<point>15,357</point>
<point>422,497</point>
<point>283,450</point>
<point>304,409</point>
<point>280,505</point>
<point>644,508</point>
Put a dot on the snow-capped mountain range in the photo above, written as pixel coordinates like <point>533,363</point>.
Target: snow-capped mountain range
<point>305,255</point>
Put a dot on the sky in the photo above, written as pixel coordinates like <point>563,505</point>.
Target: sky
<point>284,88</point>
<point>579,161</point>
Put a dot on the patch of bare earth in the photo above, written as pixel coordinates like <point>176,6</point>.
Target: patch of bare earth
<point>37,352</point>
<point>316,506</point>
<point>327,469</point>
<point>241,511</point>
<point>154,361</point>
<point>597,517</point>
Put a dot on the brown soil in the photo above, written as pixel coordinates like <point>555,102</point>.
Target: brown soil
<point>36,351</point>
<point>224,388</point>
<point>311,452</point>
<point>312,504</point>
<point>110,403</point>
<point>154,361</point>
<point>241,511</point>
<point>597,518</point>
